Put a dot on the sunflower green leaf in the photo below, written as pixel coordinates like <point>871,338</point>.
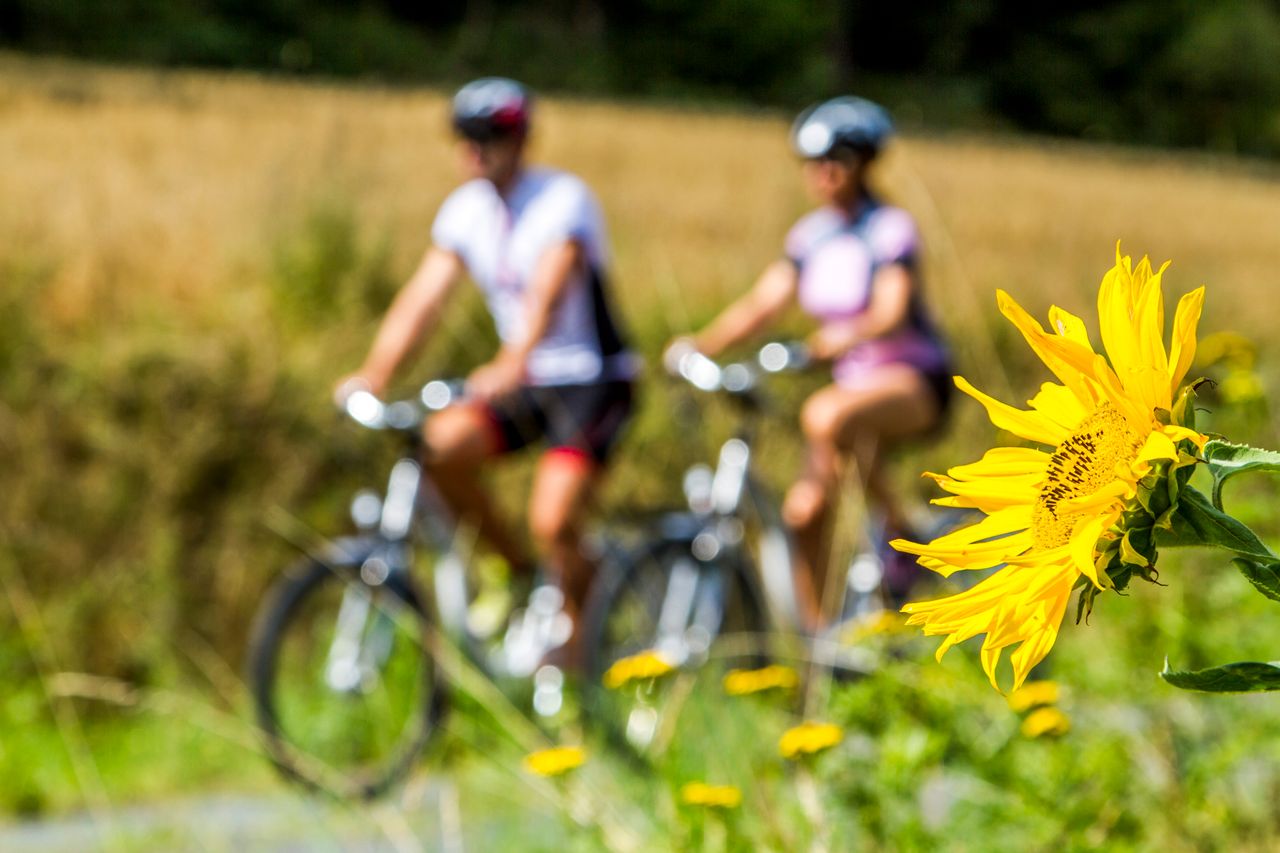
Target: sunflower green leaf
<point>1199,523</point>
<point>1227,459</point>
<point>1264,576</point>
<point>1244,677</point>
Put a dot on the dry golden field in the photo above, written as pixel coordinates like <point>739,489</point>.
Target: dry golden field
<point>189,259</point>
<point>136,188</point>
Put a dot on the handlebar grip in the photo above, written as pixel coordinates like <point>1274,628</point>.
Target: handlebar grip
<point>442,393</point>
<point>365,409</point>
<point>777,356</point>
<point>700,371</point>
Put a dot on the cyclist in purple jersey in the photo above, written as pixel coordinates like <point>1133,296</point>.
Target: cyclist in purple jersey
<point>533,239</point>
<point>853,264</point>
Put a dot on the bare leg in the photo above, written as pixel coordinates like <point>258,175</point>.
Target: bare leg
<point>849,423</point>
<point>459,441</point>
<point>561,488</point>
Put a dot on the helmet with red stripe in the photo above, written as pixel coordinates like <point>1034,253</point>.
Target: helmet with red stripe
<point>492,107</point>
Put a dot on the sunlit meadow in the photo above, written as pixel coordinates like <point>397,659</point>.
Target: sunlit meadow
<point>188,261</point>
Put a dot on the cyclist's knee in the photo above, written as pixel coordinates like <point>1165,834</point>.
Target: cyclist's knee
<point>822,419</point>
<point>456,439</point>
<point>552,526</point>
<point>805,507</point>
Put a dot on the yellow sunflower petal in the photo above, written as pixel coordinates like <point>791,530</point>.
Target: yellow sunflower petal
<point>1003,462</point>
<point>1069,326</point>
<point>1149,316</point>
<point>947,559</point>
<point>1040,637</point>
<point>1157,446</point>
<point>1066,359</point>
<point>1029,425</point>
<point>990,660</point>
<point>1057,403</point>
<point>1116,318</point>
<point>1083,544</point>
<point>1179,433</point>
<point>1183,346</point>
<point>999,523</point>
<point>1107,496</point>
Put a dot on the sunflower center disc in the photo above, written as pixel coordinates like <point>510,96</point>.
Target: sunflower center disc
<point>1085,462</point>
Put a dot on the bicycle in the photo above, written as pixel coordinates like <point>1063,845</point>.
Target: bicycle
<point>345,654</point>
<point>718,571</point>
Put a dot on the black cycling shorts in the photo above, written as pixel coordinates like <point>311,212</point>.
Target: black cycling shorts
<point>584,420</point>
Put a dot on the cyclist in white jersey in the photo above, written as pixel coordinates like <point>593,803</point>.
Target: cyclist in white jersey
<point>533,239</point>
<point>853,264</point>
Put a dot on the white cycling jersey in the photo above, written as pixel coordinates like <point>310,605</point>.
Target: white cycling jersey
<point>501,240</point>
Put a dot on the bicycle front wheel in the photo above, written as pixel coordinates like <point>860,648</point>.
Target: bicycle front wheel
<point>346,690</point>
<point>702,618</point>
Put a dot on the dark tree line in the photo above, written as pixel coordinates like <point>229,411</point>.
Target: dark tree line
<point>1169,72</point>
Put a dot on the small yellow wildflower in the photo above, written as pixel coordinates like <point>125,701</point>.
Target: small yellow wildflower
<point>740,682</point>
<point>873,625</point>
<point>711,796</point>
<point>1033,694</point>
<point>809,738</point>
<point>1046,721</point>
<point>637,667</point>
<point>555,761</point>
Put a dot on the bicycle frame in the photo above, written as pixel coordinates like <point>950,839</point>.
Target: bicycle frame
<point>410,508</point>
<point>734,490</point>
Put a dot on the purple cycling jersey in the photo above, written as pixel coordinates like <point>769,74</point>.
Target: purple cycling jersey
<point>837,254</point>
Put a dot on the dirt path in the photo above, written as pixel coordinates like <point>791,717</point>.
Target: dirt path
<point>424,819</point>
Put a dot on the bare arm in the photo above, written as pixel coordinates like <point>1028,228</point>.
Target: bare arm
<point>752,313</point>
<point>552,275</point>
<point>411,315</point>
<point>890,306</point>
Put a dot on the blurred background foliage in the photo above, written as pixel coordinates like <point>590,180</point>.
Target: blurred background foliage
<point>189,260</point>
<point>1179,73</point>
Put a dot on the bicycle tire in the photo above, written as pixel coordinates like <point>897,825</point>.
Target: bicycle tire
<point>652,563</point>
<point>283,616</point>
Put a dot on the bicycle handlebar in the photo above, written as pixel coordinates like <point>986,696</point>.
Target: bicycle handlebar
<point>740,378</point>
<point>405,415</point>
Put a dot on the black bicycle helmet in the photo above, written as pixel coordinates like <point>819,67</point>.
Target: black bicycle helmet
<point>853,124</point>
<point>492,107</point>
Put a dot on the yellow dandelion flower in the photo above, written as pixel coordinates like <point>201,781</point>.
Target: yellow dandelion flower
<point>1033,694</point>
<point>1046,721</point>
<point>710,796</point>
<point>809,738</point>
<point>637,667</point>
<point>873,625</point>
<point>1086,508</point>
<point>740,682</point>
<point>555,761</point>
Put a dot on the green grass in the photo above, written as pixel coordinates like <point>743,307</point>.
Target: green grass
<point>179,290</point>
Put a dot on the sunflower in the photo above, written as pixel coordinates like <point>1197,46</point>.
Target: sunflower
<point>1081,513</point>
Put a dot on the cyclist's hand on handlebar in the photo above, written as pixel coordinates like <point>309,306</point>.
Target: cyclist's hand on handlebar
<point>832,341</point>
<point>497,379</point>
<point>350,384</point>
<point>677,350</point>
